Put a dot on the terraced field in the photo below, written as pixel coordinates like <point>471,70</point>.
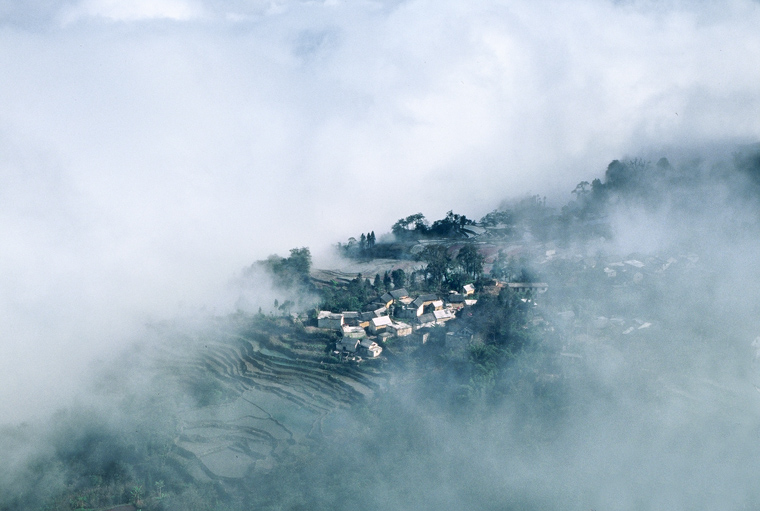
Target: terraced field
<point>259,391</point>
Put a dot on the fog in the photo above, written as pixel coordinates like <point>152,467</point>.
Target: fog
<point>149,151</point>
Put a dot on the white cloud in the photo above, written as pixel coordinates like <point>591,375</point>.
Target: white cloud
<point>134,10</point>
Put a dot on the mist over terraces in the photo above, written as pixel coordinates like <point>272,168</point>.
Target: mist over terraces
<point>259,390</point>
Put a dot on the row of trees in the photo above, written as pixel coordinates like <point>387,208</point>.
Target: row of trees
<point>443,272</point>
<point>416,226</point>
<point>360,292</point>
<point>362,248</point>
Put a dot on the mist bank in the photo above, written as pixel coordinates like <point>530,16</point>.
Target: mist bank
<point>646,399</point>
<point>147,152</point>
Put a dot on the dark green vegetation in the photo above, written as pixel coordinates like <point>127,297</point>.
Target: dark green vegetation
<point>292,271</point>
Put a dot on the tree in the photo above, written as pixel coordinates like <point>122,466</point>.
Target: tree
<point>290,271</point>
<point>451,225</point>
<point>503,267</point>
<point>581,190</point>
<point>406,227</point>
<point>286,306</point>
<point>300,261</point>
<point>497,217</point>
<point>438,264</point>
<point>398,276</point>
<point>471,261</point>
<point>626,176</point>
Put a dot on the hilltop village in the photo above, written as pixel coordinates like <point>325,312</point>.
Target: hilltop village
<point>525,278</point>
<point>577,297</point>
<point>396,314</point>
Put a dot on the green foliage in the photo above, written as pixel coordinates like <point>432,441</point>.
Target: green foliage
<point>290,271</point>
<point>504,267</point>
<point>286,307</point>
<point>484,359</point>
<point>502,320</point>
<point>299,261</point>
<point>136,494</point>
<point>504,325</point>
<point>398,276</point>
<point>410,227</point>
<point>364,248</point>
<point>497,217</point>
<point>470,260</point>
<point>627,175</point>
<point>438,264</point>
<point>451,226</point>
<point>351,297</point>
<point>416,226</point>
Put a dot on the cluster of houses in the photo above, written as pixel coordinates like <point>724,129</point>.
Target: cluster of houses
<point>394,314</point>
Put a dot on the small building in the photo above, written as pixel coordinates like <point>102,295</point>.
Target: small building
<point>426,321</point>
<point>331,320</point>
<point>365,318</point>
<point>354,332</point>
<point>435,306</point>
<point>408,311</point>
<point>386,300</point>
<point>351,318</point>
<point>468,289</point>
<point>379,324</point>
<point>443,315</point>
<point>456,298</point>
<point>371,348</point>
<point>347,344</point>
<point>400,329</point>
<point>398,294</point>
<point>424,300</point>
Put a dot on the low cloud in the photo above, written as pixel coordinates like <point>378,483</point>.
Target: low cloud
<point>152,150</point>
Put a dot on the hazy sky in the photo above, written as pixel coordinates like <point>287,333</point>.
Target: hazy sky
<point>151,148</point>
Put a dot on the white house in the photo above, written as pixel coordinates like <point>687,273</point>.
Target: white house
<point>347,344</point>
<point>371,348</point>
<point>443,315</point>
<point>380,324</point>
<point>354,332</point>
<point>400,329</point>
